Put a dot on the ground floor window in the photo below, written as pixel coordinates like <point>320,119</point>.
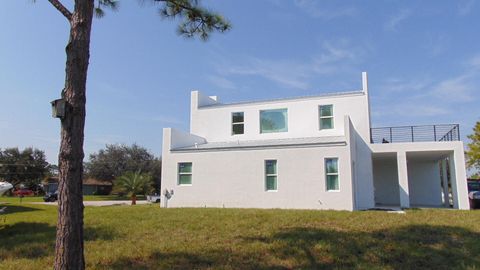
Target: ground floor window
<point>185,173</point>
<point>331,174</point>
<point>270,175</point>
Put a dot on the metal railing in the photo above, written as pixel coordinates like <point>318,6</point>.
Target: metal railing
<point>425,133</point>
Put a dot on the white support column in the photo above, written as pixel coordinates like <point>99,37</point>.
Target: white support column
<point>403,179</point>
<point>458,179</point>
<point>446,199</point>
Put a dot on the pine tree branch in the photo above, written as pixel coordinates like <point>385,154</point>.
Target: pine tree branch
<point>60,7</point>
<point>176,3</point>
<point>197,20</point>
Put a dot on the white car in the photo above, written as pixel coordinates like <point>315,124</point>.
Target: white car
<point>153,198</point>
<point>4,187</point>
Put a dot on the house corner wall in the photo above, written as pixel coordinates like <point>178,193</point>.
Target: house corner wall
<point>351,159</point>
<point>459,178</point>
<point>197,100</point>
<point>362,169</point>
<point>166,161</point>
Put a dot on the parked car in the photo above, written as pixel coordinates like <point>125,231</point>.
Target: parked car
<point>51,197</point>
<point>23,192</point>
<point>155,198</point>
<point>474,194</point>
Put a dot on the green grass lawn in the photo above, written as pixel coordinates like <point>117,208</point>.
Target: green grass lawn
<point>147,237</point>
<point>11,199</point>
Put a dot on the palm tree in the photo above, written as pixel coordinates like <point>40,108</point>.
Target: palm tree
<point>133,183</point>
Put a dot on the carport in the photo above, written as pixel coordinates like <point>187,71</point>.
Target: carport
<point>419,175</point>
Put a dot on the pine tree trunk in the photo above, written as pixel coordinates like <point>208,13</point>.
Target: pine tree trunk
<point>69,241</point>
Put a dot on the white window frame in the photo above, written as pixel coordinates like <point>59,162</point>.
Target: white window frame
<point>260,120</point>
<point>327,174</point>
<point>270,174</point>
<point>238,123</point>
<point>320,117</point>
<point>184,173</point>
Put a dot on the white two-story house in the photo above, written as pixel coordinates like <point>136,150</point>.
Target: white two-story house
<point>315,152</point>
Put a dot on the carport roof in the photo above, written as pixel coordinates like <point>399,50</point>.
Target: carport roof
<point>431,155</point>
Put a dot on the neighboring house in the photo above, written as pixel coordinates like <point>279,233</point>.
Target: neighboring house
<point>316,152</point>
<point>91,186</point>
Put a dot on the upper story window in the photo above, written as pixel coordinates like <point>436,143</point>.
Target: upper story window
<point>237,123</point>
<point>273,121</point>
<point>326,116</point>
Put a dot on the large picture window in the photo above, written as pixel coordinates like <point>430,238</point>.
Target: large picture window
<point>331,174</point>
<point>185,173</point>
<point>326,116</point>
<point>237,123</point>
<point>270,175</point>
<point>273,121</point>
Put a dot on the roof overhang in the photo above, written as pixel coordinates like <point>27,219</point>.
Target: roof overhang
<point>265,144</point>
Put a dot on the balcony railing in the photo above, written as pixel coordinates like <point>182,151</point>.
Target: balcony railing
<point>426,133</point>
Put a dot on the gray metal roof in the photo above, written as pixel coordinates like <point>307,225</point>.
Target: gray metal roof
<point>332,94</point>
<point>256,144</point>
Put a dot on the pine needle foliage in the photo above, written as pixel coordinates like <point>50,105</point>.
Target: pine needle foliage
<point>473,152</point>
<point>196,20</point>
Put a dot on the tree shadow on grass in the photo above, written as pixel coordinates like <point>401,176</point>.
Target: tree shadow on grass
<point>209,259</point>
<point>35,239</point>
<point>408,247</point>
<point>177,260</point>
<point>11,209</point>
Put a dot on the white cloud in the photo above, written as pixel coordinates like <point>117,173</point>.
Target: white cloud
<point>395,20</point>
<point>474,62</point>
<point>283,72</point>
<point>166,120</point>
<point>313,8</point>
<point>335,56</point>
<point>455,90</point>
<point>465,7</point>
<point>393,86</point>
<point>221,82</point>
<point>437,44</point>
<point>104,139</point>
<point>426,97</point>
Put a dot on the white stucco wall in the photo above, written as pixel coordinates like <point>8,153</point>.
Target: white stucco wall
<point>214,122</point>
<point>237,179</point>
<point>361,162</point>
<point>385,177</point>
<point>424,183</point>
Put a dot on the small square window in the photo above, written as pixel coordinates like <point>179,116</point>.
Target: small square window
<point>270,175</point>
<point>326,110</point>
<point>271,183</point>
<point>326,116</point>
<point>332,182</point>
<point>326,123</point>
<point>237,123</point>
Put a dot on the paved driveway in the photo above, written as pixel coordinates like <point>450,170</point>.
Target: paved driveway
<point>97,203</point>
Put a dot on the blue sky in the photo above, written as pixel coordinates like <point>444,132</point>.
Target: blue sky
<point>422,57</point>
